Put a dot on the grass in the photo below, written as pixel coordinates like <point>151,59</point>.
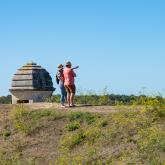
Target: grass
<point>126,137</point>
<point>69,141</point>
<point>102,123</point>
<point>6,133</point>
<point>27,121</point>
<point>73,126</point>
<point>89,118</point>
<point>56,137</point>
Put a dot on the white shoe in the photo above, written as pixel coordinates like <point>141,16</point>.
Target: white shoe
<point>63,106</point>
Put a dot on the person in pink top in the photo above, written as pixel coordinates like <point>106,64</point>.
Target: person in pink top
<point>69,83</point>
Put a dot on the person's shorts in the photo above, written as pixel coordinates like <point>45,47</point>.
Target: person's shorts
<point>70,88</point>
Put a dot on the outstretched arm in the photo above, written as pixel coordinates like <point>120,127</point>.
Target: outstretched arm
<point>75,67</point>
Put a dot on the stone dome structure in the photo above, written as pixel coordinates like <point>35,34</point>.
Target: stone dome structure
<point>31,83</point>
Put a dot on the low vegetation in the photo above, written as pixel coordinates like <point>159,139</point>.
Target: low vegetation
<point>5,99</point>
<point>93,99</point>
<point>27,121</point>
<point>103,99</point>
<point>66,137</point>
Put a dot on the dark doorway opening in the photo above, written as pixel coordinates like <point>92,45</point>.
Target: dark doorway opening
<point>22,101</point>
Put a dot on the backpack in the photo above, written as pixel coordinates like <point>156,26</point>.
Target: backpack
<point>57,79</point>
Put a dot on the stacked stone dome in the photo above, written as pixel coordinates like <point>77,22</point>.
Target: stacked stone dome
<point>31,83</point>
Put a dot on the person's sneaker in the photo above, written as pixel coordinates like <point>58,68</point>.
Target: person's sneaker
<point>63,106</point>
<point>72,106</point>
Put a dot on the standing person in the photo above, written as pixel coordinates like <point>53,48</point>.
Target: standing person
<point>69,76</point>
<point>60,81</point>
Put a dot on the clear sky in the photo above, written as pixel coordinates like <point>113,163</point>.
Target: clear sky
<point>117,43</point>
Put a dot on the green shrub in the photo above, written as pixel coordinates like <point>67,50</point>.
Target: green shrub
<point>92,134</point>
<point>104,100</point>
<point>152,141</point>
<point>14,159</point>
<point>73,126</point>
<point>102,123</point>
<point>69,141</point>
<point>91,98</point>
<point>89,117</point>
<point>161,113</point>
<point>6,133</point>
<point>155,105</point>
<point>21,119</point>
<point>155,161</point>
<point>76,116</point>
<point>26,120</point>
<point>82,116</point>
<point>5,99</point>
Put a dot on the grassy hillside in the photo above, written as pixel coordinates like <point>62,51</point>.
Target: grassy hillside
<point>51,136</point>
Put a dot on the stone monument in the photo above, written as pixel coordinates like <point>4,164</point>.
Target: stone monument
<point>31,83</point>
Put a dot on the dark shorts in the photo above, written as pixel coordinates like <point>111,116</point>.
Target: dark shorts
<point>70,88</point>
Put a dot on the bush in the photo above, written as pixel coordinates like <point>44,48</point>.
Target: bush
<point>92,134</point>
<point>73,126</point>
<point>155,105</point>
<point>26,121</point>
<point>76,116</point>
<point>21,119</point>
<point>69,141</point>
<point>87,117</point>
<point>152,140</point>
<point>105,98</point>
<point>6,133</point>
<point>5,99</point>
<point>102,123</point>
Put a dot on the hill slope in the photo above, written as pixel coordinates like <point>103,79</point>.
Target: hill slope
<point>45,134</point>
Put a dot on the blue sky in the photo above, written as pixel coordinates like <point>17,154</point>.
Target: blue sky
<point>118,44</point>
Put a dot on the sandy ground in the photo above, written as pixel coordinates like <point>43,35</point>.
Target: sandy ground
<point>6,108</point>
<point>86,108</point>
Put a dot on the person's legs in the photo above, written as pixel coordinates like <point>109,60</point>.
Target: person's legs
<point>68,99</point>
<point>72,99</point>
<point>63,99</point>
<point>73,91</point>
<point>68,94</point>
<point>62,89</point>
<point>65,95</point>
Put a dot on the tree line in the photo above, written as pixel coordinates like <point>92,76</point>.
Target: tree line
<point>94,99</point>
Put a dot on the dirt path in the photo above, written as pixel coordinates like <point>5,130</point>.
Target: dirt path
<point>84,108</point>
<point>5,108</point>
